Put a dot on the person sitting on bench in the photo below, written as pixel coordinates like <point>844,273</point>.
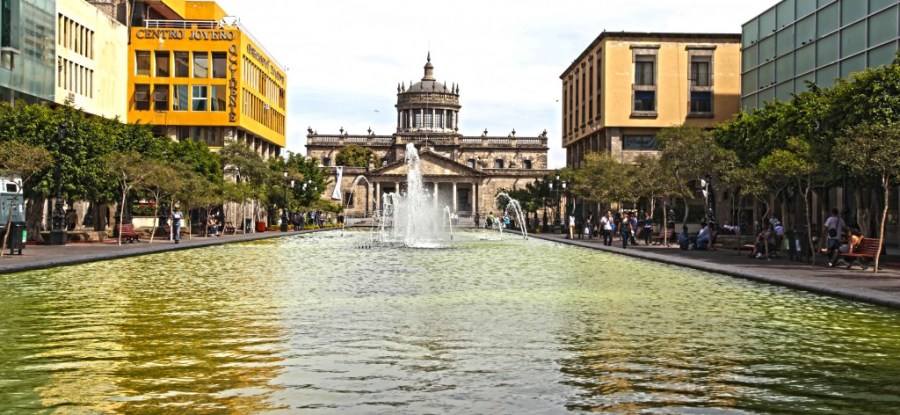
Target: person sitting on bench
<point>852,243</point>
<point>703,237</point>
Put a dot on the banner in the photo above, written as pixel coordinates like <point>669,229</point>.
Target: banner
<point>336,194</point>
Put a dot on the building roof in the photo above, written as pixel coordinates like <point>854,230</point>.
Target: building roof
<point>734,37</point>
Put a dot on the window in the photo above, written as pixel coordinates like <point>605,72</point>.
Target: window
<point>201,65</point>
<point>180,99</point>
<point>417,122</point>
<point>639,142</point>
<point>161,98</point>
<point>199,98</point>
<point>182,64</point>
<point>142,97</point>
<point>162,64</point>
<point>700,73</point>
<point>326,161</point>
<point>470,163</point>
<point>883,27</point>
<point>645,101</point>
<point>219,65</point>
<point>527,164</point>
<point>701,101</point>
<point>428,121</point>
<point>498,163</point>
<point>218,102</point>
<point>437,121</point>
<point>142,63</point>
<point>643,71</point>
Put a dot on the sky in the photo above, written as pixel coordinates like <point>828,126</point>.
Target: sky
<point>344,58</point>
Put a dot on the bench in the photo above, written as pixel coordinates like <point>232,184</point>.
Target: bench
<point>127,233</point>
<point>229,229</point>
<point>657,238</point>
<point>867,248</point>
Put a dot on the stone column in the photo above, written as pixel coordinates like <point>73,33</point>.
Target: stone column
<point>454,197</point>
<point>475,203</point>
<point>377,195</point>
<point>397,188</point>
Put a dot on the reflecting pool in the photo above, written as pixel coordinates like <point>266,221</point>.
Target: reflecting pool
<point>309,324</point>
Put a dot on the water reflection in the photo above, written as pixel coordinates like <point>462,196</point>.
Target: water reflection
<point>309,324</point>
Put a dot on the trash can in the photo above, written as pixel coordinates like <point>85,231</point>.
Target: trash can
<point>261,226</point>
<point>17,237</point>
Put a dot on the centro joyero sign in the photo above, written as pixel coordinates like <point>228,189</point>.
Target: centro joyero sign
<point>178,34</point>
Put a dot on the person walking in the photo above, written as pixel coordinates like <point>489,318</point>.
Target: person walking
<point>832,230</point>
<point>177,218</point>
<point>571,226</point>
<point>625,229</point>
<point>606,228</point>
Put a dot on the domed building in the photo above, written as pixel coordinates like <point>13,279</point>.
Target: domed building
<point>464,172</point>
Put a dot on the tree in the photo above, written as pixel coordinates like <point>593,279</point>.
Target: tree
<point>688,154</point>
<point>162,179</point>
<point>130,170</point>
<point>655,183</point>
<point>24,161</point>
<point>354,156</point>
<point>873,150</point>
<point>245,165</point>
<point>602,179</point>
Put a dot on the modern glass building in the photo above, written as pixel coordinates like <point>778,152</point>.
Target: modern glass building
<point>27,50</point>
<point>814,40</point>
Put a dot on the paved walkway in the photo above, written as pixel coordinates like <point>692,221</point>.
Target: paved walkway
<point>882,288</point>
<point>47,256</point>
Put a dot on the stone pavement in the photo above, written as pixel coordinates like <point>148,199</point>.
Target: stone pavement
<point>47,256</point>
<point>882,288</point>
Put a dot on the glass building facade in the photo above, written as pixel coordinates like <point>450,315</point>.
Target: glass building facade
<point>814,40</point>
<point>27,50</point>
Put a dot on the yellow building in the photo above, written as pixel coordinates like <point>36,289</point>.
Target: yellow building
<point>91,57</point>
<point>197,73</point>
<point>626,86</point>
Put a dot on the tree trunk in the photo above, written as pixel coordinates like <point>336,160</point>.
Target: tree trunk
<point>155,219</point>
<point>34,217</point>
<point>122,212</point>
<point>687,209</point>
<point>665,226</point>
<point>809,228</point>
<point>885,181</point>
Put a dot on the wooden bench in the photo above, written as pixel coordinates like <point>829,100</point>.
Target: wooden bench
<point>229,229</point>
<point>658,238</point>
<point>127,233</point>
<point>867,248</point>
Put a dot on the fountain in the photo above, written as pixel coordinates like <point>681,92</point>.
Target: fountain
<point>412,218</point>
<point>514,207</point>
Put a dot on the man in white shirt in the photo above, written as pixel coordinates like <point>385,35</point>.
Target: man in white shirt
<point>834,227</point>
<point>606,226</point>
<point>571,226</point>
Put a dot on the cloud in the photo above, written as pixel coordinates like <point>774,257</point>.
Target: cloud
<point>346,57</point>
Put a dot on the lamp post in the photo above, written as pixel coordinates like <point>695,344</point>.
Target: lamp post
<point>284,215</point>
<point>58,233</point>
<point>558,198</point>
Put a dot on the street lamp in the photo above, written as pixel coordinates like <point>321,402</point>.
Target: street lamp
<point>58,233</point>
<point>558,192</point>
<point>284,215</point>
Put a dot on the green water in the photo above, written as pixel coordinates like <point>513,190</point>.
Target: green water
<point>309,324</point>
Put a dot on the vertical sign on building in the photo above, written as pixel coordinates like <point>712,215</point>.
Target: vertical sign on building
<point>232,82</point>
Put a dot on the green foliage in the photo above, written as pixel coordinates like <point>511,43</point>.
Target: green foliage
<point>354,156</point>
<point>194,155</point>
<point>871,150</point>
<point>603,179</point>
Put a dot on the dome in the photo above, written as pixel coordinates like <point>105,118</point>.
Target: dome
<point>428,86</point>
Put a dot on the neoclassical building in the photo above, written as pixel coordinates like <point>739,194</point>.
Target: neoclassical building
<point>464,172</point>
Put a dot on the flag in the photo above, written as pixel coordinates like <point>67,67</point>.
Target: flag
<point>336,194</point>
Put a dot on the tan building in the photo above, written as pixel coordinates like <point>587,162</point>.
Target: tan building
<point>91,59</point>
<point>465,172</point>
<point>626,86</point>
